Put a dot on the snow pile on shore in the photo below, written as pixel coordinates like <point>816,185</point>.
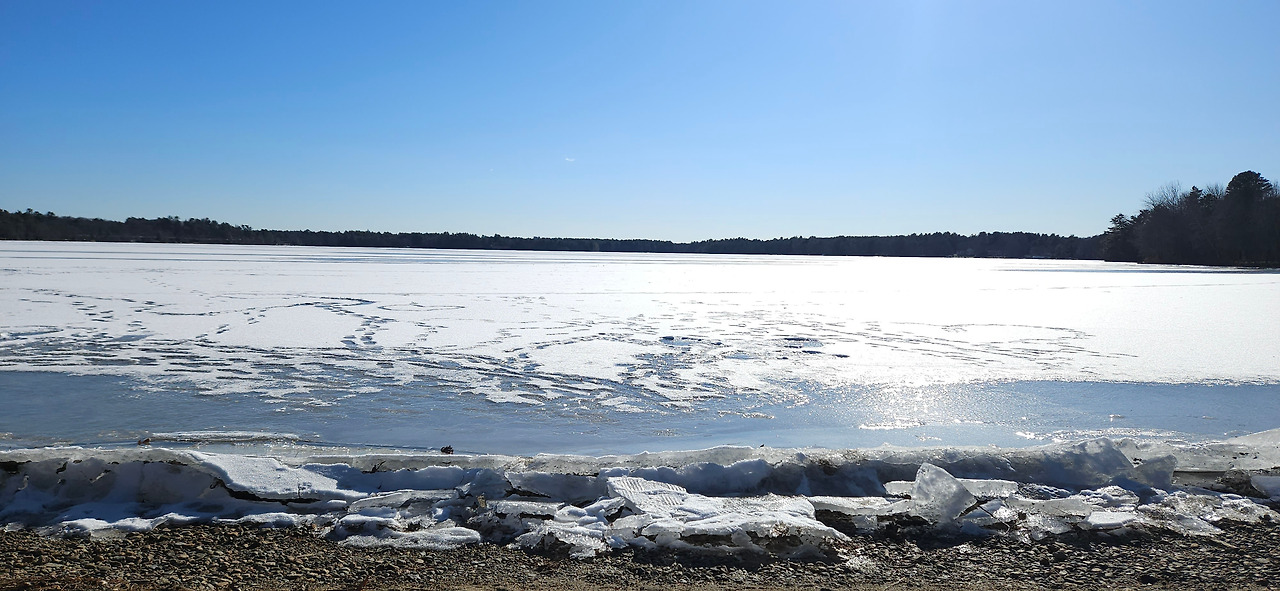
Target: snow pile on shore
<point>726,500</point>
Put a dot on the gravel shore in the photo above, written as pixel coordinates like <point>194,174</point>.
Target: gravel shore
<point>237,557</point>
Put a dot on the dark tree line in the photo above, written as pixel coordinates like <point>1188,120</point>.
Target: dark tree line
<point>1236,225</point>
<point>32,225</point>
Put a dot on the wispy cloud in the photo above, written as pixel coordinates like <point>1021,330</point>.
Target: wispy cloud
<point>568,159</point>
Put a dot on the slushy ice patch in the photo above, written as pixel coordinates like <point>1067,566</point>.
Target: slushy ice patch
<point>728,500</point>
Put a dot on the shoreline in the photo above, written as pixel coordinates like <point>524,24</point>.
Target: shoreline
<point>1243,556</point>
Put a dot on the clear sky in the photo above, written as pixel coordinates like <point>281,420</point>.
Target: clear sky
<point>648,119</point>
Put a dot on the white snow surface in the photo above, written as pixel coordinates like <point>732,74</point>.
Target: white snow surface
<point>592,315</point>
<point>722,500</point>
<point>319,343</point>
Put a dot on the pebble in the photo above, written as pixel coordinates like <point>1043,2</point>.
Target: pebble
<point>222,557</point>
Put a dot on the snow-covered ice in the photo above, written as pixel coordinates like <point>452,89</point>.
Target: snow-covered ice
<point>615,353</point>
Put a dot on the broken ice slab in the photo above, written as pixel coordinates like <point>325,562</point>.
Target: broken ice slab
<point>982,488</point>
<point>668,515</point>
<point>646,496</point>
<point>524,508</point>
<point>442,536</point>
<point>573,488</point>
<point>860,505</point>
<point>1212,508</point>
<point>582,530</point>
<point>989,514</point>
<point>1165,517</point>
<point>863,513</point>
<point>1070,507</point>
<point>674,516</point>
<point>403,499</point>
<point>583,541</point>
<point>1267,485</point>
<point>1109,519</point>
<point>1039,527</point>
<point>268,478</point>
<point>1111,497</point>
<point>937,496</point>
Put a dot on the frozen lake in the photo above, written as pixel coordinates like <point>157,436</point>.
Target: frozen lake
<point>523,352</point>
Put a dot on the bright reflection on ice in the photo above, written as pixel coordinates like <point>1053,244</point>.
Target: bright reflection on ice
<point>504,350</point>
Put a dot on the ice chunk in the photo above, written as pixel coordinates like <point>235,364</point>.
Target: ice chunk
<point>708,478</point>
<point>1212,508</point>
<point>525,508</point>
<point>78,528</point>
<point>673,516</point>
<point>1109,519</point>
<point>745,523</point>
<point>1043,491</point>
<point>982,488</point>
<point>1269,439</point>
<point>484,483</point>
<point>582,530</point>
<point>267,478</point>
<point>1111,497</point>
<point>1038,526</point>
<point>572,488</point>
<point>1088,464</point>
<point>1100,462</point>
<point>899,488</point>
<point>863,512</point>
<point>1267,485</point>
<point>1241,509</point>
<point>473,481</point>
<point>989,488</point>
<point>1165,517</point>
<point>627,528</point>
<point>1075,507</point>
<point>937,496</point>
<point>275,519</point>
<point>860,505</point>
<point>604,507</point>
<point>647,496</point>
<point>584,541</point>
<point>444,537</point>
<point>402,499</point>
<point>806,475</point>
<point>988,514</point>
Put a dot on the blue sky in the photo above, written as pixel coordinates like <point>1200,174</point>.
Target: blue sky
<point>673,120</point>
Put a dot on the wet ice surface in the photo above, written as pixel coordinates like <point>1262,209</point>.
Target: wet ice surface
<point>509,352</point>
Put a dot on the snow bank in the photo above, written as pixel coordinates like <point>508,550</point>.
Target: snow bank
<point>726,500</point>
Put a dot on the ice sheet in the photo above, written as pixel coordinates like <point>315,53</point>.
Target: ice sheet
<point>702,349</point>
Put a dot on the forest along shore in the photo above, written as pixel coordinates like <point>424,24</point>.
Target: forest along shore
<point>1244,556</point>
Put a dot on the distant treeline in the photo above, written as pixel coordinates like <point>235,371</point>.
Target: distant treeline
<point>1236,225</point>
<point>32,225</point>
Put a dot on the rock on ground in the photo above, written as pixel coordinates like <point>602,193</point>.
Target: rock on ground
<point>238,557</point>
